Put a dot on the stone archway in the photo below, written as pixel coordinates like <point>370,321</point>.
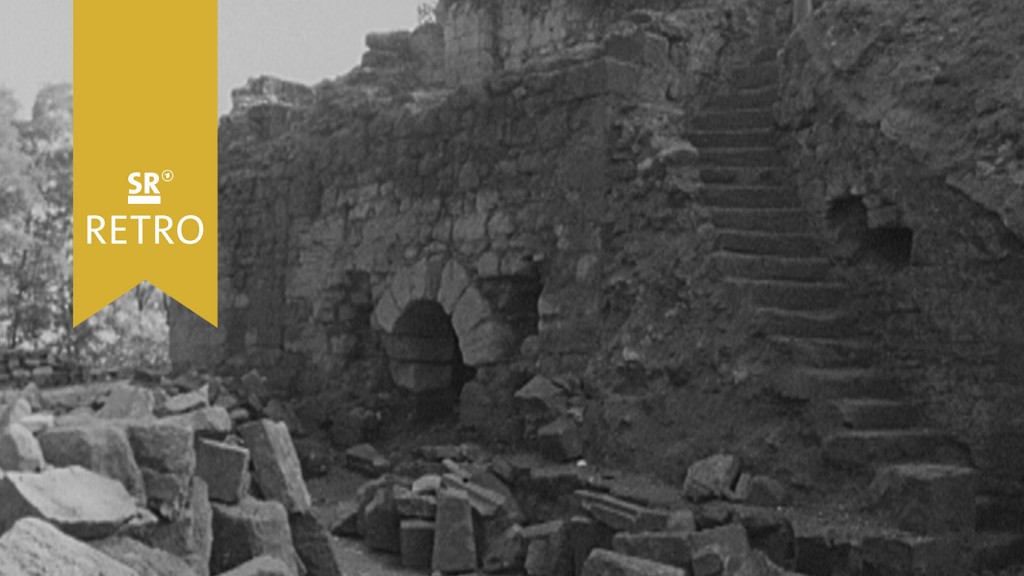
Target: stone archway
<point>433,320</point>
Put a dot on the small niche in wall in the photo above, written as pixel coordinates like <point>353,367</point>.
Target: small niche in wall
<point>859,241</point>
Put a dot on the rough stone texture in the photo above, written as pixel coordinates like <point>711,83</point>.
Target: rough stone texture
<point>672,548</point>
<point>224,468</point>
<point>313,545</point>
<point>261,566</point>
<point>927,499</point>
<point>248,530</point>
<point>417,544</point>
<point>903,127</point>
<point>99,447</point>
<point>506,551</point>
<point>608,563</point>
<point>78,501</point>
<point>33,547</point>
<point>712,477</point>
<point>560,440</point>
<point>163,447</point>
<point>380,521</point>
<point>277,468</point>
<point>142,559</point>
<point>167,459</point>
<point>19,450</point>
<point>189,536</point>
<point>127,402</point>
<point>454,543</point>
<point>211,422</point>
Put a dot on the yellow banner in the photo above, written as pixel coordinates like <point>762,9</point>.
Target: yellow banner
<point>145,126</point>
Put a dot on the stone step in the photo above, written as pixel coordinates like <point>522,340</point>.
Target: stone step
<point>744,175</point>
<point>761,97</point>
<point>999,513</point>
<point>760,137</point>
<point>757,267</point>
<point>757,76</point>
<point>876,414</point>
<point>823,324</point>
<point>787,295</point>
<point>808,383</point>
<point>741,119</point>
<point>740,196</point>
<point>864,448</point>
<point>998,550</point>
<point>788,220</point>
<point>756,157</point>
<point>826,352</point>
<point>768,243</point>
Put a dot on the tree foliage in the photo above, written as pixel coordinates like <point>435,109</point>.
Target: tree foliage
<point>36,161</point>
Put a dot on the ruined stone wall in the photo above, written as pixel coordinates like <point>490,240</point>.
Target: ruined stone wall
<point>908,143</point>
<point>547,213</point>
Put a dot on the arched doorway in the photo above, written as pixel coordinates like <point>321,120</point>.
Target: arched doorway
<point>424,357</point>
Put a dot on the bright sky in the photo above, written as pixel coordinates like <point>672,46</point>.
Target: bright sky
<point>302,40</point>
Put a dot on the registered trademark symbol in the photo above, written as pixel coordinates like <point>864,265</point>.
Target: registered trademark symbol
<point>167,175</point>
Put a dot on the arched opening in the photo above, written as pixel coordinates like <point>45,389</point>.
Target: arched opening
<point>424,358</point>
<point>859,243</point>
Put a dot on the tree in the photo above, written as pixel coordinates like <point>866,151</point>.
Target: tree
<point>36,162</point>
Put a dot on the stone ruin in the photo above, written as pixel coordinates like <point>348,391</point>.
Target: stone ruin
<point>588,288</point>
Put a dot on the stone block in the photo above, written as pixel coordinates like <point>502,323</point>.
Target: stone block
<point>33,547</point>
<point>78,501</point>
<point>186,402</point>
<point>19,450</point>
<point>380,521</point>
<point>366,459</point>
<point>166,494</point>
<point>313,544</point>
<point>189,536</point>
<point>898,554</point>
<point>224,468</point>
<point>454,541</point>
<point>261,566</point>
<point>127,402</point>
<point>541,400</point>
<point>561,440</point>
<point>209,422</point>
<point>417,544</point>
<point>413,505</point>
<point>672,548</point>
<point>724,550</point>
<point>930,499</point>
<point>711,478</point>
<point>608,563</point>
<point>163,447</point>
<point>99,447</point>
<point>15,412</point>
<point>766,491</point>
<point>250,529</point>
<point>506,551</point>
<point>277,468</point>
<point>144,560</point>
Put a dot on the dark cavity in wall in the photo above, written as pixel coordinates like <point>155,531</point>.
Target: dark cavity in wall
<point>424,358</point>
<point>857,243</point>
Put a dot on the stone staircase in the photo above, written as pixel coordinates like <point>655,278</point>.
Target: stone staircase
<point>768,250</point>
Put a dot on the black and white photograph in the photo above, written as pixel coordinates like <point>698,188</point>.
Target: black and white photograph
<point>538,288</point>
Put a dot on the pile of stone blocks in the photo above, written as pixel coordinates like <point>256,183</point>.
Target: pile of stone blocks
<point>128,479</point>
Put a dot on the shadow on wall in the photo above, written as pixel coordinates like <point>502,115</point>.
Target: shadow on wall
<point>857,242</point>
